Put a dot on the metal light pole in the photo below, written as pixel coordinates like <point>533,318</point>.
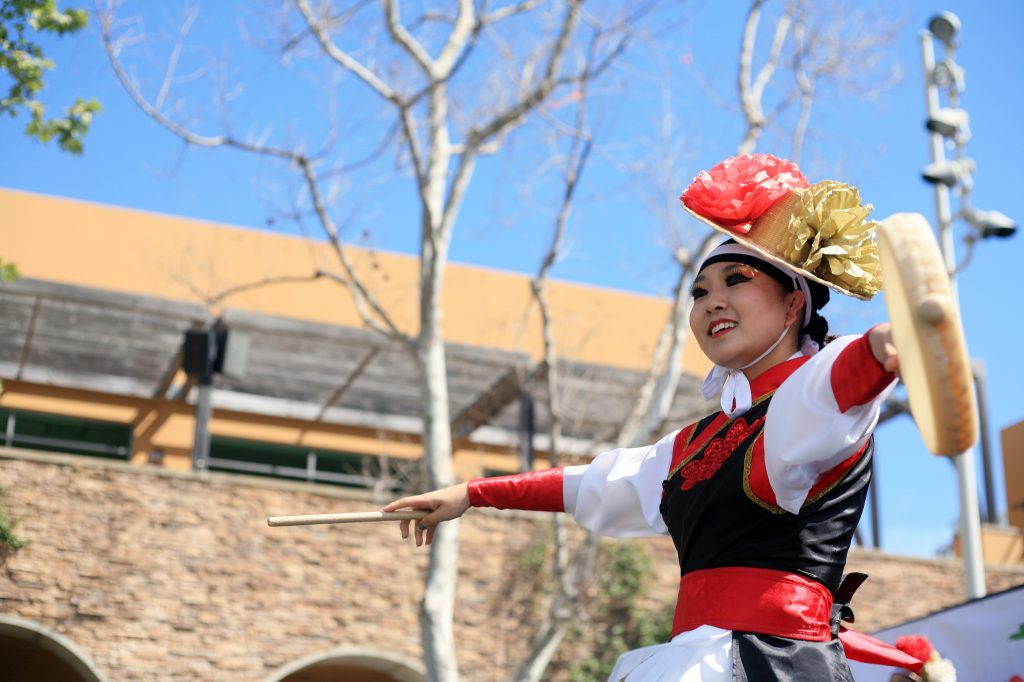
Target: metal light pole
<point>943,176</point>
<point>205,352</point>
<point>200,354</point>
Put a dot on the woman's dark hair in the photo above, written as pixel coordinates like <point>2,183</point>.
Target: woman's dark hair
<point>817,327</point>
<point>817,330</point>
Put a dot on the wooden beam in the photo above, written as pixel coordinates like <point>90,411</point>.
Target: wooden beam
<point>487,405</point>
<point>367,359</point>
<point>105,298</point>
<point>168,375</point>
<point>494,400</point>
<point>29,333</point>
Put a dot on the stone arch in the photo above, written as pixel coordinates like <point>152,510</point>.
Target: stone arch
<point>352,665</point>
<point>33,651</point>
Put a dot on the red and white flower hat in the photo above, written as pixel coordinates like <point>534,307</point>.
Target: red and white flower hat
<point>818,231</point>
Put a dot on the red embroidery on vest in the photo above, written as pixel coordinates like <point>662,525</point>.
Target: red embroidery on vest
<point>716,452</point>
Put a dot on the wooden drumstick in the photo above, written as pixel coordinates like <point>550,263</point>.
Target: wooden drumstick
<point>352,517</point>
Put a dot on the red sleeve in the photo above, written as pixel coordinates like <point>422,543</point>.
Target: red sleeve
<point>534,491</point>
<point>857,377</point>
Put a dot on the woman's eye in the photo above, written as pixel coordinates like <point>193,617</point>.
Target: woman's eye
<point>698,292</point>
<point>736,279</point>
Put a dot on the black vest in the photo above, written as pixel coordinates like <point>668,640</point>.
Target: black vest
<point>718,514</point>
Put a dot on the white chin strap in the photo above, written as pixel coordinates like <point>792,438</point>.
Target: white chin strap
<point>733,384</point>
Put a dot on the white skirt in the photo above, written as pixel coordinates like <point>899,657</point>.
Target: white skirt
<point>700,655</point>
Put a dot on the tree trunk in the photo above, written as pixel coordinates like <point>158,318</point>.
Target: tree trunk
<point>438,605</point>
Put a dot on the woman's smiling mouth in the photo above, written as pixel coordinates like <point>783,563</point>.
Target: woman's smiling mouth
<point>719,327</point>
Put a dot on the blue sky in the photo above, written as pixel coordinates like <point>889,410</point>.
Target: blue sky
<point>615,239</point>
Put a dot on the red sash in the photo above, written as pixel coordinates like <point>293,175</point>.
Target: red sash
<point>770,602</point>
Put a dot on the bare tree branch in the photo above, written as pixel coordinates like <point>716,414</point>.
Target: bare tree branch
<point>318,25</point>
<point>677,331</point>
<point>457,190</point>
<point>540,91</point>
<point>210,300</point>
<point>562,611</point>
<point>768,68</point>
<point>747,44</point>
<point>806,93</point>
<point>403,38</point>
<point>165,87</point>
<point>415,151</point>
<point>465,26</point>
<point>752,94</point>
<point>113,49</point>
<point>386,140</point>
<point>364,299</point>
<point>370,310</point>
<point>328,23</point>
<point>508,11</point>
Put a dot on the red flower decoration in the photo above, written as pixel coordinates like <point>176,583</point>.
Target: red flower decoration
<point>917,646</point>
<point>739,190</point>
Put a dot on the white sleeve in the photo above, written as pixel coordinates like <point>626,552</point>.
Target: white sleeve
<point>805,434</point>
<point>619,492</point>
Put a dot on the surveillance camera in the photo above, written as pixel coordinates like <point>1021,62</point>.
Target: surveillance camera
<point>993,224</point>
<point>1001,232</point>
<point>948,122</point>
<point>942,173</point>
<point>944,26</point>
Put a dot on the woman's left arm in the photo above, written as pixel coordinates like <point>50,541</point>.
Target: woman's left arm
<point>826,411</point>
<point>883,348</point>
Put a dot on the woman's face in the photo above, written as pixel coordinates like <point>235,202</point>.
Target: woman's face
<point>739,312</point>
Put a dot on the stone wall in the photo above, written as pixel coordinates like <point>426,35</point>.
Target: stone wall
<point>161,575</point>
<point>178,577</point>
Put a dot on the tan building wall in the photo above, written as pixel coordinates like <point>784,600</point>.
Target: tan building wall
<point>1004,544</point>
<point>189,260</point>
<point>1012,438</point>
<point>136,252</point>
<point>162,575</point>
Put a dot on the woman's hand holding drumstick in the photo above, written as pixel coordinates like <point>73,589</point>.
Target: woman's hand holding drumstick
<point>443,505</point>
<point>428,509</point>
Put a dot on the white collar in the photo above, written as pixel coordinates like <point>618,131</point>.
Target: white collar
<point>733,384</point>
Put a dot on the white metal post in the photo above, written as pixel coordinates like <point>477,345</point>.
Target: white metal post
<point>970,520</point>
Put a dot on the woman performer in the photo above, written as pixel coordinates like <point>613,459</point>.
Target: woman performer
<point>763,497</point>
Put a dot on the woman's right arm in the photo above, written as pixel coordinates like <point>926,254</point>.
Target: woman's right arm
<point>617,494</point>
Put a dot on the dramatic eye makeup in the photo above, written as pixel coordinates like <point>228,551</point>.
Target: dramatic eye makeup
<point>739,273</point>
<point>734,274</point>
<point>698,290</point>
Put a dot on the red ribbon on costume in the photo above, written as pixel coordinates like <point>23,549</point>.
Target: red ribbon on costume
<point>772,602</point>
